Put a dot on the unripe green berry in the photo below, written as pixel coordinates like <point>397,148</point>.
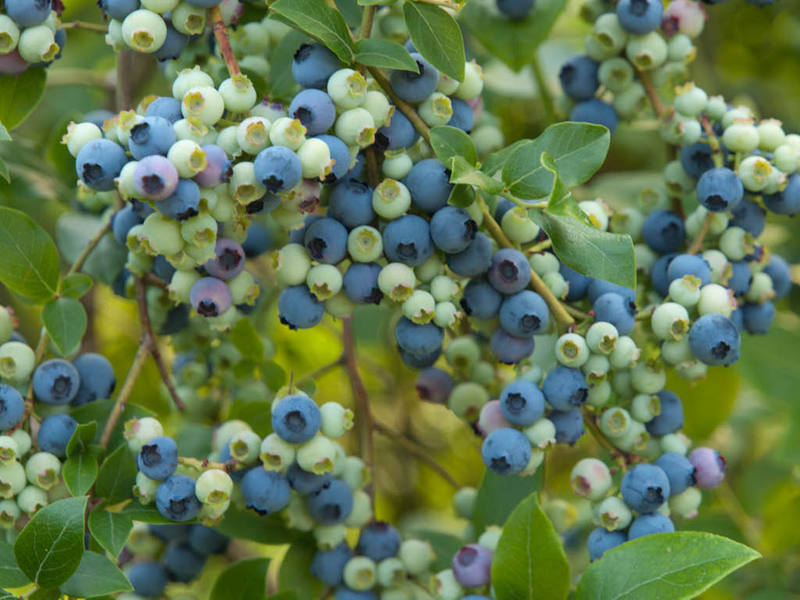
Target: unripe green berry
<point>214,487</point>
<point>161,235</point>
<point>390,572</point>
<point>462,352</point>
<point>596,368</point>
<point>613,514</point>
<point>9,451</point>
<point>189,20</point>
<point>336,419</point>
<point>31,499</point>
<point>615,73</point>
<point>761,289</point>
<point>379,107</point>
<point>464,501</point>
<point>599,393</point>
<point>397,281</point>
<point>690,100</point>
<point>145,488</point>
<point>42,469</point>
<point>355,127</point>
<point>419,307</point>
<point>680,48</point>
<point>467,399</point>
<point>204,103</point>
<point>715,298</point>
<point>770,134</point>
<point>143,30</point>
<point>253,134</point>
<point>37,44</point>
<point>443,288</point>
<point>602,337</point>
<point>647,51</point>
<point>716,108</point>
<point>16,362</point>
<point>615,422</point>
<point>396,165</point>
<point>360,573</point>
<point>543,263</point>
<point>243,186</point>
<point>687,503</point>
<point>188,157</point>
<point>472,85</point>
<point>741,136</point>
<point>139,431</point>
<point>675,442</point>
<point>23,440</point>
<point>287,132</point>
<point>446,586</point>
<point>362,510</point>
<point>355,473</point>
<point>12,479</point>
<point>676,352</point>
<point>9,35</point>
<point>317,455</point>
<point>339,306</point>
<point>678,181</point>
<point>238,93</point>
<point>590,478</point>
<point>324,281</point>
<point>291,264</point>
<point>518,226</point>
<point>445,314</point>
<point>556,283</point>
<point>648,378</point>
<point>391,199</point>
<point>609,34</point>
<point>786,158</point>
<point>347,88</point>
<point>9,513</point>
<point>329,536</point>
<point>571,350</point>
<point>416,555</point>
<point>670,321</point>
<point>436,110</point>
<point>276,454</point>
<point>630,101</point>
<point>430,269</point>
<point>244,446</point>
<point>365,244</point>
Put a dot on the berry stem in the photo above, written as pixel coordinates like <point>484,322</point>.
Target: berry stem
<point>544,92</point>
<point>204,465</point>
<point>367,19</point>
<point>652,94</point>
<point>86,26</point>
<point>224,42</point>
<point>622,459</point>
<point>124,79</point>
<point>149,338</point>
<point>697,244</point>
<point>405,107</point>
<point>413,448</point>
<point>82,77</point>
<point>124,393</point>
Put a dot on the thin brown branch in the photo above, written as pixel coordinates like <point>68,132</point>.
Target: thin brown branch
<point>367,19</point>
<point>652,94</point>
<point>223,41</point>
<point>86,26</point>
<point>124,393</point>
<point>124,79</point>
<point>623,459</point>
<point>697,244</point>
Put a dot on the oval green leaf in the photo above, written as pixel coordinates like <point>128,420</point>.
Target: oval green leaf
<point>50,547</point>
<point>19,95</point>
<point>449,142</point>
<point>243,580</point>
<point>529,563</point>
<point>293,574</point>
<point>110,530</point>
<point>65,321</point>
<point>384,54</point>
<point>10,574</point>
<point>96,576</point>
<point>663,566</point>
<point>437,37</point>
<point>79,473</point>
<point>499,495</point>
<point>75,285</point>
<point>30,259</point>
<point>117,476</point>
<point>320,21</point>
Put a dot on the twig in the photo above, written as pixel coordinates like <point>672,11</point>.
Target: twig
<point>83,77</point>
<point>229,466</point>
<point>622,458</point>
<point>155,281</point>
<point>149,339</point>
<point>373,176</point>
<point>321,371</point>
<point>223,41</point>
<point>578,314</point>
<point>746,524</point>
<point>124,79</point>
<point>86,26</point>
<point>404,106</point>
<point>367,19</point>
<point>124,393</point>
<point>413,449</point>
<point>81,260</point>
<point>697,244</point>
<point>544,91</point>
<point>652,94</point>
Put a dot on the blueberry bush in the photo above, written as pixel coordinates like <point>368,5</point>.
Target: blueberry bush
<point>405,300</point>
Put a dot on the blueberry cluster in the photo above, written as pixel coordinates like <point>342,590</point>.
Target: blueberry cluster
<point>30,35</point>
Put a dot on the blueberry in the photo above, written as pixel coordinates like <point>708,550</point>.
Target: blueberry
<point>184,203</point>
<point>123,221</point>
<point>181,563</point>
<point>378,541</point>
<point>229,260</point>
<point>480,300</point>
<point>420,340</point>
<point>97,378</point>
<point>360,283</point>
<point>205,540</point>
<point>658,274</point>
<point>663,231</point>
<point>99,162</point>
<point>420,361</point>
<point>474,260</point>
<point>158,458</point>
<point>148,578</point>
<point>578,77</point>
<point>689,264</point>
<point>709,467</point>
<point>522,403</point>
<point>595,111</point>
<point>296,418</point>
<point>218,167</point>
<point>28,13</point>
<point>651,523</point>
<point>171,532</point>
<point>640,16</point>
<point>758,317</point>
<point>340,154</point>
<point>55,432</point>
<point>173,44</point>
<point>509,271</point>
<point>749,216</point>
<point>328,565</point>
<point>155,177</point>
<point>210,297</point>
<point>598,287</point>
<point>313,64</point>
<point>12,407</point>
<point>509,349</point>
<point>506,451</point>
<point>524,314</point>
<point>472,565</point>
<point>565,388</point>
<point>326,240</point>
<point>408,240</point>
<point>350,203</point>
<point>780,273</point>
<point>434,385</point>
<point>463,116</point>
<point>786,202</point>
<point>153,135</point>
<point>697,158</point>
<point>175,498</point>
<point>314,109</point>
<point>258,240</point>
<point>645,488</point>
<point>298,308</point>
<point>452,229</point>
<point>56,381</point>
<point>166,107</point>
<point>601,540</point>
<point>400,133</point>
<point>617,310</point>
<point>305,482</point>
<point>568,424</point>
<point>277,168</point>
<point>578,283</point>
<point>503,206</point>
<point>265,491</point>
<point>679,471</point>
<point>740,278</point>
<point>715,340</point>
<point>415,87</point>
<point>720,189</point>
<point>331,503</point>
<point>429,185</point>
<point>670,419</point>
<point>515,10</point>
<point>343,593</point>
<point>161,269</point>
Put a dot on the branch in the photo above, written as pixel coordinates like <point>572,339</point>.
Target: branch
<point>223,41</point>
<point>124,79</point>
<point>86,26</point>
<point>404,106</point>
<point>124,393</point>
<point>367,18</point>
<point>697,244</point>
<point>622,458</point>
<point>652,94</point>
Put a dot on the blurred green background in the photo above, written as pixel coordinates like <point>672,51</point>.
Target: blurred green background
<point>750,412</point>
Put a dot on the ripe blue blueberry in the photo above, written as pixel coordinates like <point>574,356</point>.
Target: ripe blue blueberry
<point>663,231</point>
<point>598,287</point>
<point>578,283</point>
<point>568,424</point>
<point>265,491</point>
<point>158,458</point>
<point>434,385</point>
<point>378,541</point>
<point>173,45</point>
<point>419,361</point>
<point>720,189</point>
<point>749,216</point>
<point>709,467</point>
<point>154,177</point>
<point>331,503</point>
<point>55,432</point>
<point>397,135</point>
<point>509,271</point>
<point>658,274</point>
<point>715,340</point>
<point>176,500</point>
<point>689,264</point>
<point>314,109</point>
<point>166,107</point>
<point>679,471</point>
<point>524,314</point>
<point>218,167</point>
<point>326,240</point>
<point>27,13</point>
<point>415,87</point>
<point>429,185</point>
<point>56,381</point>
<point>506,451</point>
<point>600,540</point>
<point>515,10</point>
<point>277,168</point>
<point>258,240</point>
<point>350,203</point>
<point>296,418</point>
<point>640,16</point>
<point>96,376</point>
<point>360,283</point>
<point>328,565</point>
<point>786,202</point>
<point>697,158</point>
<point>645,487</point>
<point>184,202</point>
<point>229,260</point>
<point>522,403</point>
<point>757,318</point>
<point>408,240</point>
<point>119,9</point>
<point>419,340</point>
<point>578,77</point>
<point>123,221</point>
<point>305,482</point>
<point>740,278</point>
<point>780,273</point>
<point>463,116</point>
<point>313,64</point>
<point>651,523</point>
<point>344,593</point>
<point>340,154</point>
<point>181,563</point>
<point>99,162</point>
<point>148,578</point>
<point>153,135</point>
<point>480,300</point>
<point>670,419</point>
<point>565,388</point>
<point>210,296</point>
<point>617,310</point>
<point>474,260</point>
<point>12,407</point>
<point>452,229</point>
<point>205,540</point>
<point>595,111</point>
<point>509,349</point>
<point>298,308</point>
<point>472,565</point>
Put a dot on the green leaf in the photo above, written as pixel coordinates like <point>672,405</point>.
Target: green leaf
<point>79,473</point>
<point>248,525</point>
<point>46,594</point>
<point>247,341</point>
<point>96,576</point>
<point>578,150</point>
<point>19,95</point>
<point>136,511</point>
<point>375,2</point>
<point>65,321</point>
<point>4,137</point>
<point>81,438</point>
<point>448,142</point>
<point>529,563</point>
<point>513,42</point>
<point>75,285</point>
<point>561,201</point>
<point>461,195</point>
<point>4,171</point>
<point>437,37</point>
<point>4,595</point>
<point>99,411</point>
<point>110,530</point>
<point>30,259</point>
<point>351,11</point>
<point>243,580</point>
<point>273,375</point>
<point>280,81</point>
<point>50,547</point>
<point>498,495</point>
<point>117,476</point>
<point>663,566</point>
<point>320,21</point>
<point>385,54</point>
<point>463,172</point>
<point>255,413</point>
<point>293,574</point>
<point>10,574</point>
